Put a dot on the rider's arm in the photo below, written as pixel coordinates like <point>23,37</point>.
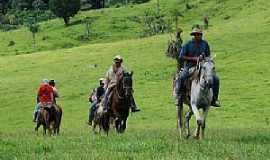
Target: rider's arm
<point>107,79</point>
<point>56,94</point>
<point>52,96</point>
<point>193,59</point>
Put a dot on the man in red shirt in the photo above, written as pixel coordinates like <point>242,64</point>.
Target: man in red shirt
<point>44,97</point>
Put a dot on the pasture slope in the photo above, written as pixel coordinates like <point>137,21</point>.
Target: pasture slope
<point>238,35</point>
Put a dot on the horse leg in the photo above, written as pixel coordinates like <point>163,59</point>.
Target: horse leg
<point>188,116</point>
<point>59,122</point>
<point>44,129</point>
<point>36,129</point>
<point>48,125</point>
<point>198,130</point>
<point>50,129</point>
<point>117,125</point>
<point>198,118</point>
<point>94,126</point>
<point>205,113</point>
<point>124,124</point>
<point>180,119</point>
<point>54,127</point>
<point>59,117</point>
<point>106,124</point>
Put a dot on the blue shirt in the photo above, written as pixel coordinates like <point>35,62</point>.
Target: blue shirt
<point>194,49</point>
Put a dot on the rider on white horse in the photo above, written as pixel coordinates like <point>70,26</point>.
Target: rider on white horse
<point>192,52</point>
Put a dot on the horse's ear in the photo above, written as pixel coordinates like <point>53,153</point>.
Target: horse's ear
<point>131,73</point>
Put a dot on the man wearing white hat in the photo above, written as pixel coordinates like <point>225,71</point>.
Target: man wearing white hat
<point>111,79</point>
<point>191,53</point>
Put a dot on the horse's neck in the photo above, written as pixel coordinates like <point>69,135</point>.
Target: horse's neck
<point>203,90</point>
<point>120,89</point>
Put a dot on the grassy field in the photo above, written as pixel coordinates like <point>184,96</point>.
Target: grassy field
<point>238,130</point>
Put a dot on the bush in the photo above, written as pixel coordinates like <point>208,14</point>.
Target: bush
<point>11,43</point>
<point>65,8</point>
<point>8,27</point>
<point>155,23</point>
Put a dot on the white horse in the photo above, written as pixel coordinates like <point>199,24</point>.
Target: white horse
<point>200,97</point>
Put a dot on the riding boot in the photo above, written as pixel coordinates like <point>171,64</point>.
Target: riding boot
<point>133,105</point>
<point>215,102</point>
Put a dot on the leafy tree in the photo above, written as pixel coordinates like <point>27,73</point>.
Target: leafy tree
<point>65,8</point>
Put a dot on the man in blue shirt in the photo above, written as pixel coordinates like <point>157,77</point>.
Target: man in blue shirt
<point>191,52</point>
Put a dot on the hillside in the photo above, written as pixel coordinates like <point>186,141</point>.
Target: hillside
<point>239,130</point>
<point>112,25</point>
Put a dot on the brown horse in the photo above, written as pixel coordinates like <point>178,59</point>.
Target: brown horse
<point>49,118</point>
<point>44,120</point>
<point>120,102</point>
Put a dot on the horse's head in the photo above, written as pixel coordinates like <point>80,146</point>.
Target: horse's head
<point>207,69</point>
<point>127,83</point>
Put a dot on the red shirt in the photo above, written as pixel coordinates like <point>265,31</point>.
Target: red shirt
<point>44,93</point>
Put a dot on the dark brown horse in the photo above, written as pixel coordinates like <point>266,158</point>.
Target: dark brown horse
<point>50,118</point>
<point>120,102</point>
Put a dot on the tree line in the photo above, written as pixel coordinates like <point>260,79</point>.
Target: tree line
<point>17,12</point>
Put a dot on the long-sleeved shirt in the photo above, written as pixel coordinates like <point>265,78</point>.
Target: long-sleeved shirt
<point>194,49</point>
<point>112,75</point>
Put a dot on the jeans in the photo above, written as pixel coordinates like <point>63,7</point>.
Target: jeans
<point>92,110</point>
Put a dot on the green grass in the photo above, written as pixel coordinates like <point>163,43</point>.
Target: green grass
<point>238,130</point>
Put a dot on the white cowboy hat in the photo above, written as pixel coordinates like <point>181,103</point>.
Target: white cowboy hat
<point>196,31</point>
<point>118,58</point>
